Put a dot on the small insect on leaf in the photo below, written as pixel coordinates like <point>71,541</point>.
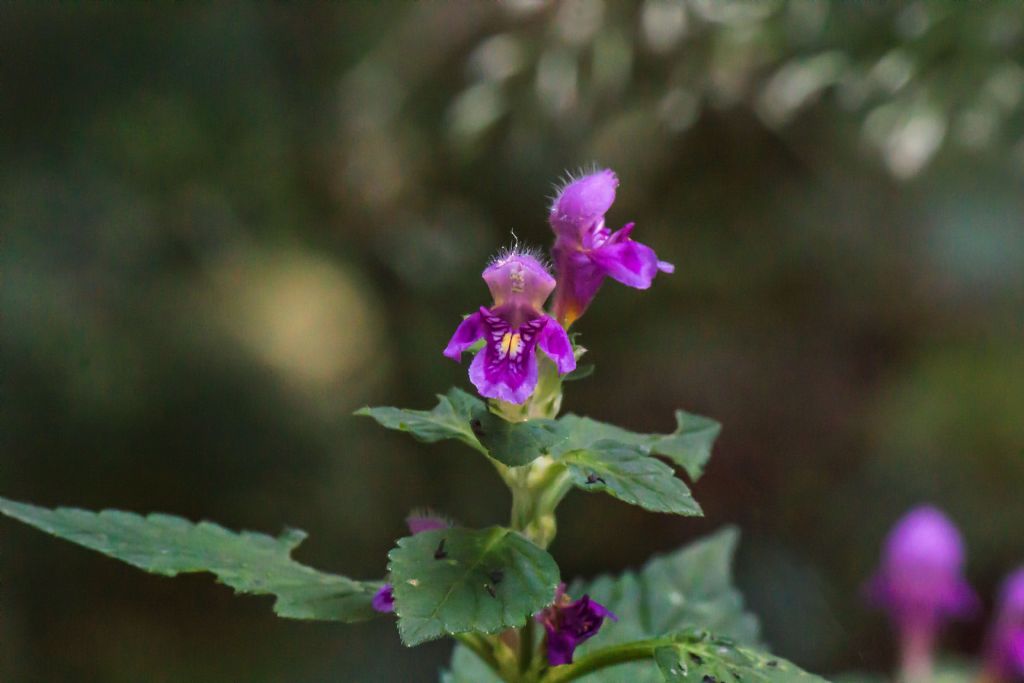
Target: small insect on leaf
<point>592,478</point>
<point>490,590</point>
<point>440,553</point>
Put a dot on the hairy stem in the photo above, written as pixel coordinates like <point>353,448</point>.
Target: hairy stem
<point>526,646</point>
<point>480,646</point>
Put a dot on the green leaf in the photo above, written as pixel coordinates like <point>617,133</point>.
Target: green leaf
<point>631,475</point>
<point>697,657</point>
<point>450,419</point>
<point>581,372</point>
<point>478,580</point>
<point>248,562</point>
<point>466,418</point>
<point>689,446</point>
<point>690,588</point>
<point>514,443</point>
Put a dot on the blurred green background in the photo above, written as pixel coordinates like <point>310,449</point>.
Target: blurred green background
<point>226,226</point>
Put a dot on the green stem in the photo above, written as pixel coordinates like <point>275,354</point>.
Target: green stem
<point>522,499</point>
<point>526,646</point>
<point>557,483</point>
<point>482,649</point>
<point>605,657</point>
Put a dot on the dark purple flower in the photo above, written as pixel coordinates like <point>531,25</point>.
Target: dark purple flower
<point>418,522</point>
<point>1005,657</point>
<point>586,251</point>
<point>568,624</point>
<point>384,599</point>
<point>920,583</point>
<point>512,329</point>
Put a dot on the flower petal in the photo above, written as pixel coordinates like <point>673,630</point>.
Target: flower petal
<point>961,601</point>
<point>561,646</point>
<point>555,342</point>
<point>1014,653</point>
<point>418,522</point>
<point>568,624</point>
<point>582,203</point>
<point>631,263</point>
<point>469,331</point>
<point>384,599</point>
<point>579,278</point>
<point>518,280</point>
<point>506,368</point>
<point>514,385</point>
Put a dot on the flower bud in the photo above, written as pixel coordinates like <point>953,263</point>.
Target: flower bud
<point>582,204</point>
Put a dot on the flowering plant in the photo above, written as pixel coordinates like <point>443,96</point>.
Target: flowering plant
<point>497,591</point>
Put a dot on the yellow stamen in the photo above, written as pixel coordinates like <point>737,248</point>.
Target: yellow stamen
<point>511,344</point>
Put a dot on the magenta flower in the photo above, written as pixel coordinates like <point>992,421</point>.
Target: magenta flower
<point>512,329</point>
<point>568,624</point>
<point>586,251</point>
<point>1005,657</point>
<point>920,583</point>
<point>418,522</point>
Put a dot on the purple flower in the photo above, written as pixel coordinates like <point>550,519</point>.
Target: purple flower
<point>418,522</point>
<point>1005,657</point>
<point>384,599</point>
<point>569,623</point>
<point>586,251</point>
<point>512,329</point>
<point>426,520</point>
<point>920,583</point>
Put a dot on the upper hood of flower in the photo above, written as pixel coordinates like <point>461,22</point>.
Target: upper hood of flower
<point>518,281</point>
<point>582,204</point>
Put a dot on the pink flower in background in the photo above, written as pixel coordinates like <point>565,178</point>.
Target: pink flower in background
<point>920,583</point>
<point>1005,655</point>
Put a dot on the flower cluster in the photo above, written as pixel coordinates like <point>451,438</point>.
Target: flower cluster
<point>515,326</point>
